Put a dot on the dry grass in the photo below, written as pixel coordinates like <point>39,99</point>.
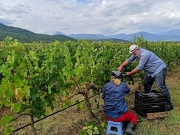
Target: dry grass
<point>72,120</point>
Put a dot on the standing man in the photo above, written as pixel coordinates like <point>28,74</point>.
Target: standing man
<point>154,67</point>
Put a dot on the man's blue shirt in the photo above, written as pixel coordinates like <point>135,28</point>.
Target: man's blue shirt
<point>148,61</point>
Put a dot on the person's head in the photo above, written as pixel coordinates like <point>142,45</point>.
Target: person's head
<point>134,50</point>
<point>116,76</point>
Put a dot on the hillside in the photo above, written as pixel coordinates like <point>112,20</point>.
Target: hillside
<point>168,36</point>
<point>96,37</point>
<point>92,37</point>
<point>27,36</point>
<point>111,39</point>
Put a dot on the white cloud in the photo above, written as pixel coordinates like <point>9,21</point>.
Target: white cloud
<point>91,16</point>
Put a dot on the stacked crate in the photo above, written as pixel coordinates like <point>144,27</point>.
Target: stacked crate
<point>149,102</point>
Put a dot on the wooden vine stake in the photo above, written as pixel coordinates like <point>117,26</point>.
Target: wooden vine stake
<point>32,125</point>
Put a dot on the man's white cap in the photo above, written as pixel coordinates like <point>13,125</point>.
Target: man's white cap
<point>133,48</point>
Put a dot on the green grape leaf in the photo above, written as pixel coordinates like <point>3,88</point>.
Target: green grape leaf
<point>68,103</point>
<point>5,120</point>
<point>9,93</point>
<point>49,89</point>
<point>8,130</point>
<point>7,103</point>
<point>26,91</point>
<point>2,68</point>
<point>17,107</point>
<point>83,133</point>
<point>96,131</point>
<point>34,96</point>
<point>77,101</point>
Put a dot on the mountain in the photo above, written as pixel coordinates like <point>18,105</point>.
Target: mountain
<point>173,35</point>
<point>153,37</point>
<point>88,36</point>
<point>119,36</point>
<point>24,35</point>
<point>171,32</point>
<point>111,39</point>
<point>58,33</point>
<point>147,36</point>
<point>96,37</point>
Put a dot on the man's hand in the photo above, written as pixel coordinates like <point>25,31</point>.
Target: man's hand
<point>120,68</point>
<point>132,72</point>
<point>122,65</point>
<point>127,73</point>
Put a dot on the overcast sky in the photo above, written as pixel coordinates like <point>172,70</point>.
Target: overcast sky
<point>91,16</point>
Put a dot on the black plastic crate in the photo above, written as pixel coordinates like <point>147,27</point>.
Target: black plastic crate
<point>140,112</point>
<point>149,105</point>
<point>144,112</point>
<point>149,102</point>
<point>150,97</point>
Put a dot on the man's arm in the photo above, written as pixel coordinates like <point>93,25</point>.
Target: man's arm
<point>132,72</point>
<point>122,65</point>
<point>127,61</point>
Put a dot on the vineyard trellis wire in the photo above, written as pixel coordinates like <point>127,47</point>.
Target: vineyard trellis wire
<point>93,87</point>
